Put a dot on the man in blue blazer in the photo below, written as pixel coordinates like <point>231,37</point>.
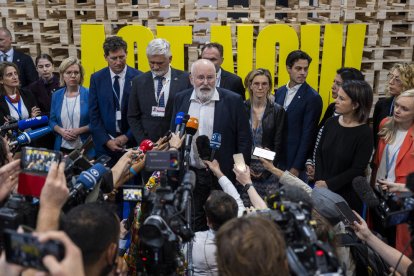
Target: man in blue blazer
<point>108,101</point>
<point>152,93</point>
<point>218,111</point>
<point>303,107</point>
<point>27,69</point>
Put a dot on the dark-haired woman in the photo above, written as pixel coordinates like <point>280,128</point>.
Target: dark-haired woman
<point>266,123</point>
<point>14,101</point>
<point>346,143</point>
<point>42,90</point>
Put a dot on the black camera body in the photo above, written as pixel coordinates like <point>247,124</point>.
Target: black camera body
<point>395,209</point>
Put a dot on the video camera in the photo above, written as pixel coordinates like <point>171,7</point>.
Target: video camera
<point>306,254</point>
<point>163,226</point>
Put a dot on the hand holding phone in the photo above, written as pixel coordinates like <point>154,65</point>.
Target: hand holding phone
<point>239,161</point>
<point>348,217</point>
<point>264,153</point>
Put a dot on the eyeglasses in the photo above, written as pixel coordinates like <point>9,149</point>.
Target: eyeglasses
<point>262,84</point>
<point>209,78</point>
<point>72,73</point>
<point>397,80</point>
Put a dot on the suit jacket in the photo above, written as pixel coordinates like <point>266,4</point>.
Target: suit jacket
<point>143,124</point>
<point>56,110</point>
<point>232,82</point>
<point>27,69</point>
<point>102,108</point>
<point>302,116</point>
<point>28,100</point>
<point>382,110</point>
<point>230,120</point>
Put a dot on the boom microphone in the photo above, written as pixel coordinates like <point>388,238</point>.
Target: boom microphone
<point>183,124</point>
<point>26,123</point>
<point>178,120</point>
<point>188,185</point>
<point>88,179</point>
<point>215,144</point>
<point>28,137</point>
<point>203,147</point>
<point>365,192</point>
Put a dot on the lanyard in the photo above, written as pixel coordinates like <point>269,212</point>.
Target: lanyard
<point>392,107</point>
<point>388,162</point>
<point>164,86</point>
<point>73,111</point>
<point>19,107</point>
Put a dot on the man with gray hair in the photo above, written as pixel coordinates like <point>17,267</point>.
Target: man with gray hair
<point>152,94</point>
<point>218,111</point>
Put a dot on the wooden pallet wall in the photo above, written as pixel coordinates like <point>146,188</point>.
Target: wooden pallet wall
<point>53,26</point>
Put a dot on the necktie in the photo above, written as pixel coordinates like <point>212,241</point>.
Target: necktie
<point>5,56</point>
<point>159,88</point>
<point>117,90</point>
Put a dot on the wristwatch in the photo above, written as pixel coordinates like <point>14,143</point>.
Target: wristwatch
<point>246,187</point>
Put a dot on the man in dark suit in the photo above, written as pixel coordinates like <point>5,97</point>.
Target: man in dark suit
<point>214,53</point>
<point>108,101</point>
<point>303,107</point>
<point>218,111</point>
<point>27,69</point>
<point>152,93</point>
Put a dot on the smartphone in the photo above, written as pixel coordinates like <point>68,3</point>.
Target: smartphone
<point>348,217</point>
<point>264,153</point>
<point>103,159</point>
<point>35,164</point>
<point>26,250</point>
<point>162,160</point>
<point>132,193</point>
<point>239,161</point>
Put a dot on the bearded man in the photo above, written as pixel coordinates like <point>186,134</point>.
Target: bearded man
<point>218,111</point>
<point>152,93</point>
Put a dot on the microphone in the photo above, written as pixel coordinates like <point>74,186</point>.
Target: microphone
<point>28,137</point>
<point>203,147</point>
<point>146,145</point>
<point>88,179</point>
<point>27,123</point>
<point>190,129</point>
<point>188,185</point>
<point>365,192</point>
<point>183,124</point>
<point>178,120</point>
<point>215,144</point>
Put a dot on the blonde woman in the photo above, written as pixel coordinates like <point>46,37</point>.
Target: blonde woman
<point>69,116</point>
<point>400,78</point>
<point>394,158</point>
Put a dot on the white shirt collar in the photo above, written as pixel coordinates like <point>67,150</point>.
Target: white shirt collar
<point>216,97</point>
<point>121,75</point>
<point>9,53</point>
<point>294,89</point>
<point>167,75</point>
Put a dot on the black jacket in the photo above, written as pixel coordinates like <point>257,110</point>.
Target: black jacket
<point>272,125</point>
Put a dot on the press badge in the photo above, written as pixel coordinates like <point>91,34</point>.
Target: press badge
<point>158,111</point>
<point>118,115</point>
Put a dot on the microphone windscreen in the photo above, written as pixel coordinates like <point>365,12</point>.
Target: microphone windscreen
<point>192,126</point>
<point>146,145</point>
<point>203,147</point>
<point>179,118</point>
<point>27,137</point>
<point>186,118</point>
<point>215,142</point>
<point>90,177</point>
<point>33,122</point>
<point>364,191</point>
<point>190,178</point>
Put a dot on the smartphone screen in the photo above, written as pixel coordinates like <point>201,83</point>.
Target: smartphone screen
<point>38,160</point>
<point>25,250</point>
<point>348,217</point>
<point>239,161</point>
<point>162,160</point>
<point>132,193</point>
<point>264,153</point>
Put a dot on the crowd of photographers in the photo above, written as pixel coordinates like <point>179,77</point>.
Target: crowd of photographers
<point>234,187</point>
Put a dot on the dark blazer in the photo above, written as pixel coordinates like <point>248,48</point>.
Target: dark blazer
<point>56,110</point>
<point>230,120</point>
<point>302,116</point>
<point>102,108</point>
<point>43,91</point>
<point>272,125</point>
<point>232,82</point>
<point>28,100</point>
<point>27,69</point>
<point>382,110</point>
<point>143,124</point>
